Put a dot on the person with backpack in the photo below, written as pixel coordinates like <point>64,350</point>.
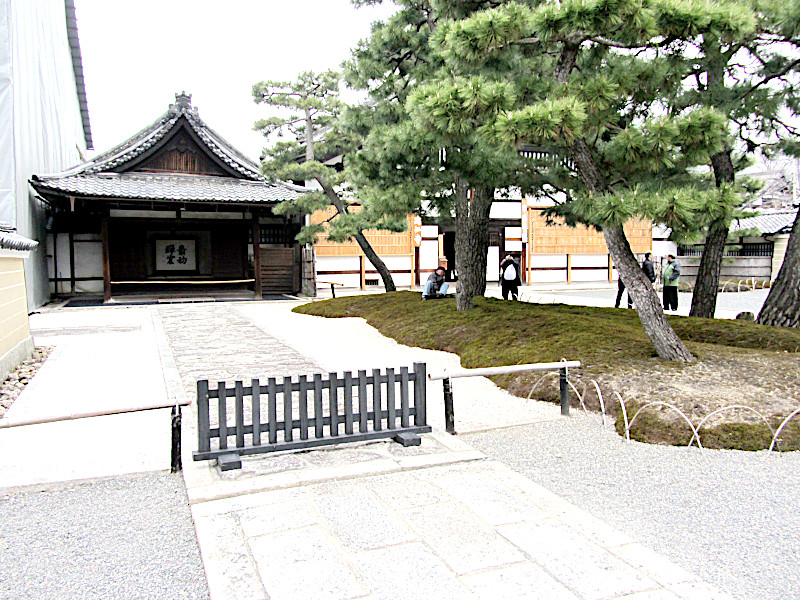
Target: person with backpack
<point>509,277</point>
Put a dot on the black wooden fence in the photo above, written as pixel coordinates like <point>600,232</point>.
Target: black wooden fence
<point>309,411</point>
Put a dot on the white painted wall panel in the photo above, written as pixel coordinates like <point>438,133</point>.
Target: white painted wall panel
<point>430,231</point>
<point>549,276</point>
<point>590,260</point>
<point>548,260</point>
<point>506,210</point>
<point>429,254</point>
<point>493,264</point>
<point>89,259</point>
<point>599,275</point>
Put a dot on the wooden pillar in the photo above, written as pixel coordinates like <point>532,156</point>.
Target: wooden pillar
<point>363,271</point>
<point>610,269</point>
<point>106,260</point>
<point>413,256</point>
<point>71,236</point>
<point>569,268</point>
<point>257,257</point>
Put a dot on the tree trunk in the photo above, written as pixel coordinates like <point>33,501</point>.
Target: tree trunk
<point>366,247</point>
<point>704,298</point>
<point>782,306</point>
<point>664,339</point>
<point>472,240</point>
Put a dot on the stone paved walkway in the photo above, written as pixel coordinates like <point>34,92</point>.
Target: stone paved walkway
<point>371,521</point>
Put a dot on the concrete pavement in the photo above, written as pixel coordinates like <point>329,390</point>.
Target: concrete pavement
<point>374,520</point>
<point>367,520</point>
<point>103,359</point>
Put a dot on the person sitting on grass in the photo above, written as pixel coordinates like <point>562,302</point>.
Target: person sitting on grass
<point>436,286</point>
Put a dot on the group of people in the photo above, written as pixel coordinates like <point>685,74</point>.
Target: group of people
<point>670,276</point>
<point>436,286</point>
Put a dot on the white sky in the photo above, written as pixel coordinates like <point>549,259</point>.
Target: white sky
<point>138,53</point>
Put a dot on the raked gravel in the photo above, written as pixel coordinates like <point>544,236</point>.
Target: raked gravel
<point>124,538</point>
<point>731,517</point>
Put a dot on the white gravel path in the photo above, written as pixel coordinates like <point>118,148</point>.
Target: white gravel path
<point>122,538</point>
<point>731,517</point>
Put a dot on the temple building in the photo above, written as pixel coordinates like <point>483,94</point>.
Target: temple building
<point>174,211</point>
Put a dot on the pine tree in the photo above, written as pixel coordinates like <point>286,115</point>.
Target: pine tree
<point>316,134</point>
<point>598,79</point>
<point>747,71</point>
<point>413,161</point>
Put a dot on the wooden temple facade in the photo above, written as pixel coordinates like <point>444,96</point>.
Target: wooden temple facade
<point>175,209</point>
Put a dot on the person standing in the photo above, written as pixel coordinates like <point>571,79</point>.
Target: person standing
<point>648,267</point>
<point>620,290</point>
<point>670,277</point>
<point>509,277</point>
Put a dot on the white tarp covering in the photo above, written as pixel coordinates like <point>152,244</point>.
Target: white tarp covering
<point>40,121</point>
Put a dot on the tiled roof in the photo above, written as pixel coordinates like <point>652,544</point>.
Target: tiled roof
<point>77,69</point>
<point>102,176</point>
<point>142,141</point>
<point>156,186</point>
<point>767,222</point>
<point>11,240</point>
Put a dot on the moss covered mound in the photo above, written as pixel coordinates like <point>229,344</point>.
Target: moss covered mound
<point>614,350</point>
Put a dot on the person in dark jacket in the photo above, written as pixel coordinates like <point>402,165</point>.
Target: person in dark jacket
<point>648,267</point>
<point>620,290</point>
<point>436,286</point>
<point>509,277</point>
<point>650,273</point>
<point>670,277</point>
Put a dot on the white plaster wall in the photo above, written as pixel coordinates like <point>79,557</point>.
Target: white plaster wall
<point>549,276</point>
<point>548,261</point>
<point>661,249</point>
<point>506,210</point>
<point>429,254</point>
<point>778,253</point>
<point>598,275</point>
<point>493,263</point>
<point>590,260</point>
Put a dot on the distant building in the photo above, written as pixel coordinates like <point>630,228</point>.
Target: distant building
<point>777,191</point>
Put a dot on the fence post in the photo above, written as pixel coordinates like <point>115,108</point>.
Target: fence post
<point>420,394</point>
<point>449,418</point>
<point>362,269</point>
<point>176,464</point>
<point>563,390</point>
<point>203,427</point>
<point>569,268</point>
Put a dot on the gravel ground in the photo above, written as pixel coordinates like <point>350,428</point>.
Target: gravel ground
<point>130,537</point>
<point>730,517</point>
<point>15,382</point>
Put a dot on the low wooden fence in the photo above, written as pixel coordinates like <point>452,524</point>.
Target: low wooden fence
<point>307,412</point>
<point>446,376</point>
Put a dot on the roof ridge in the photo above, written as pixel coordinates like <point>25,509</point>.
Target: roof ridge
<point>144,139</point>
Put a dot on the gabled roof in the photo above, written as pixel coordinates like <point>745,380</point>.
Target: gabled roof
<point>109,174</point>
